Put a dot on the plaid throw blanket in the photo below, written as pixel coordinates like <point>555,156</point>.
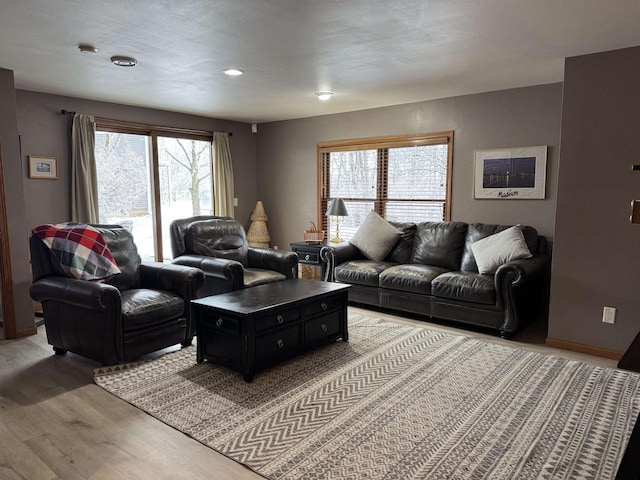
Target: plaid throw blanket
<point>81,250</point>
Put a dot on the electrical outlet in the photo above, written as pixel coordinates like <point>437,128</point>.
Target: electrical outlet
<point>609,315</point>
<point>235,202</point>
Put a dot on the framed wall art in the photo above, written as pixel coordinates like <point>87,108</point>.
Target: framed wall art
<point>511,173</point>
<point>43,167</point>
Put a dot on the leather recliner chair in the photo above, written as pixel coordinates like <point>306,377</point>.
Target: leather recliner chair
<point>147,307</point>
<point>218,246</point>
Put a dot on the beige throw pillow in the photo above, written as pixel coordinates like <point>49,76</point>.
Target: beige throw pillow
<point>500,248</point>
<point>376,237</point>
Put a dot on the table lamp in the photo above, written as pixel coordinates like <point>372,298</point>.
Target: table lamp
<point>339,210</point>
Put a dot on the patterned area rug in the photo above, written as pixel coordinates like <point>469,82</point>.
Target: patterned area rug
<point>397,402</point>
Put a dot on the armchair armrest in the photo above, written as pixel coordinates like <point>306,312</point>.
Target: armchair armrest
<point>80,293</point>
<point>276,260</point>
<point>179,279</point>
<point>217,270</point>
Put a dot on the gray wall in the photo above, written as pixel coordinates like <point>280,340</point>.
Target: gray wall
<point>13,174</point>
<point>287,157</point>
<point>44,131</point>
<point>597,251</point>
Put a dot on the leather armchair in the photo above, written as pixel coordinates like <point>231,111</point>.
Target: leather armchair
<point>145,308</point>
<point>218,246</point>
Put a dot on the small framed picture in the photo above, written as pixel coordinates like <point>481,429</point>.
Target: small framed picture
<point>511,173</point>
<point>43,167</point>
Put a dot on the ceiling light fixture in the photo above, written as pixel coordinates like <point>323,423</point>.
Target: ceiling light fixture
<point>232,72</point>
<point>88,49</point>
<point>324,96</point>
<point>121,61</point>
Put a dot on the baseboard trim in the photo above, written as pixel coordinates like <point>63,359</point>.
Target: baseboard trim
<point>26,332</point>
<point>582,348</point>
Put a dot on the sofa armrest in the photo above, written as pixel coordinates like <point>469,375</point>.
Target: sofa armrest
<point>517,272</point>
<point>521,286</point>
<point>94,296</point>
<point>337,253</point>
<point>217,270</point>
<point>276,260</point>
<point>179,279</point>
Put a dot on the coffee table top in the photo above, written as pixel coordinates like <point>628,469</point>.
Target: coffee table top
<point>270,296</point>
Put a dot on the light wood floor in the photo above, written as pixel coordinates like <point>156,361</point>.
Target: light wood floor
<point>55,423</point>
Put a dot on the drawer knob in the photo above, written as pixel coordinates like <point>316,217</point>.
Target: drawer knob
<point>323,327</point>
<point>218,322</point>
<point>280,343</point>
<point>307,257</point>
<point>280,318</point>
<point>323,306</point>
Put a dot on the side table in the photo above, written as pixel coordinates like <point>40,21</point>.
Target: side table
<point>311,254</point>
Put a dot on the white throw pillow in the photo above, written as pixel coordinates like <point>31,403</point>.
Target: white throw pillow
<point>376,237</point>
<point>500,248</point>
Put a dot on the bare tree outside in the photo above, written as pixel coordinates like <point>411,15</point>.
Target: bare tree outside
<point>189,173</point>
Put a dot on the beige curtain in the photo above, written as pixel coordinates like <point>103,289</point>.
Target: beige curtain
<point>222,175</point>
<point>84,183</point>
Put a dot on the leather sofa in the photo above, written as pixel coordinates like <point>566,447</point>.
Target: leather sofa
<point>218,246</point>
<point>432,271</point>
<point>146,307</point>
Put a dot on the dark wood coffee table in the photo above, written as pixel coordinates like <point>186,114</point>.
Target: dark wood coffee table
<point>250,329</point>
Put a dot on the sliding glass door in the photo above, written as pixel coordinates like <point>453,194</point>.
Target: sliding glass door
<point>147,180</point>
<point>184,171</point>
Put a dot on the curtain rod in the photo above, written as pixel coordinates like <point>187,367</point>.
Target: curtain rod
<point>69,112</point>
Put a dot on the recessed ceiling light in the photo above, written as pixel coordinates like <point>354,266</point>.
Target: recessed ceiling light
<point>121,61</point>
<point>88,49</point>
<point>324,96</point>
<point>232,72</point>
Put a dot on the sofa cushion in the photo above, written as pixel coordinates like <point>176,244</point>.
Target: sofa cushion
<point>476,231</point>
<point>402,250</point>
<point>465,286</point>
<point>413,277</point>
<point>361,272</point>
<point>142,308</point>
<point>439,244</point>
<point>500,248</point>
<point>376,237</point>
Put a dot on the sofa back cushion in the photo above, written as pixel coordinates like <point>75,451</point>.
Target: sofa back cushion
<point>439,244</point>
<point>401,252</point>
<point>477,231</point>
<point>221,238</point>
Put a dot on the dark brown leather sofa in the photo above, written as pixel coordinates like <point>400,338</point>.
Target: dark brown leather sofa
<point>143,309</point>
<point>218,246</point>
<point>432,271</point>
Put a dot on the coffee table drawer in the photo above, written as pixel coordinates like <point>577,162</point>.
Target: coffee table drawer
<point>277,345</point>
<point>322,327</point>
<point>221,322</point>
<point>278,318</point>
<point>323,305</point>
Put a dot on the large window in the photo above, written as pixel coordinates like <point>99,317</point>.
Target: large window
<point>404,179</point>
<point>148,177</point>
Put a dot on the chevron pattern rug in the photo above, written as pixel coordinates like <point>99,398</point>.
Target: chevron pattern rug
<point>397,402</point>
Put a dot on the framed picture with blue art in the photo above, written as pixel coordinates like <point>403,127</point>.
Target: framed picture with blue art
<point>517,173</point>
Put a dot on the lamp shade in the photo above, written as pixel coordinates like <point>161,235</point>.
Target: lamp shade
<point>337,208</point>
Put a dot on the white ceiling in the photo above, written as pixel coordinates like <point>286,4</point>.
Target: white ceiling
<point>371,53</point>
